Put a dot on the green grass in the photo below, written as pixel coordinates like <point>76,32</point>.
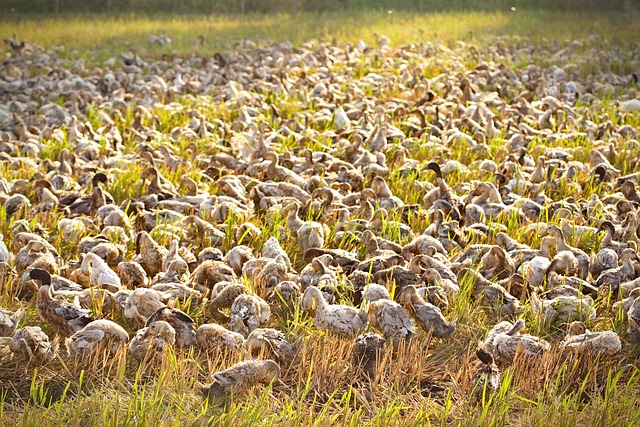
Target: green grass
<point>320,390</point>
<point>98,37</point>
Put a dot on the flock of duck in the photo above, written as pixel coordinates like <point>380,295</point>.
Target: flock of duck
<point>349,157</point>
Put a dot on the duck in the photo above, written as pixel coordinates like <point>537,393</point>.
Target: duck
<point>633,316</point>
<point>427,316</point>
<point>239,378</point>
<point>561,245</point>
<point>309,234</point>
<point>485,377</point>
<point>605,259</point>
<point>342,320</point>
<point>368,352</point>
<point>610,279</point>
<point>581,340</point>
<point>100,272</point>
<point>271,344</point>
<point>101,334</point>
<point>392,320</point>
<point>181,322</point>
<point>248,312</point>
<point>65,318</point>
<point>141,303</point>
<point>152,341</point>
<point>9,321</point>
<point>158,184</point>
<point>132,275</point>
<point>214,338</point>
<point>284,298</point>
<point>504,341</point>
<point>149,254</point>
<point>492,295</point>
<point>208,273</point>
<point>432,277</point>
<point>564,308</point>
<point>33,345</point>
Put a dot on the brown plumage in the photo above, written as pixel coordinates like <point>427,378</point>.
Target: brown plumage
<point>9,321</point>
<point>427,316</point>
<point>486,377</point>
<point>153,340</point>
<point>248,312</point>
<point>149,254</point>
<point>210,272</point>
<point>392,320</point>
<point>181,322</point>
<point>33,345</point>
<point>213,338</point>
<point>65,318</point>
<point>239,378</point>
<point>97,336</point>
<point>272,344</point>
<point>223,300</point>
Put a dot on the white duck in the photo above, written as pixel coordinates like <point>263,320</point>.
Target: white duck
<point>342,320</point>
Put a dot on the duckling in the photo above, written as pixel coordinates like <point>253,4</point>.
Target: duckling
<point>239,378</point>
<point>392,320</point>
<point>65,318</point>
<point>486,377</point>
<point>342,320</point>
<point>580,340</point>
<point>428,316</point>
<point>181,322</point>
<point>248,312</point>
<point>152,340</point>
<point>141,303</point>
<point>214,338</point>
<point>505,344</point>
<point>564,308</point>
<point>33,345</point>
<point>9,321</point>
<point>101,334</point>
<point>272,344</point>
<point>368,352</point>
